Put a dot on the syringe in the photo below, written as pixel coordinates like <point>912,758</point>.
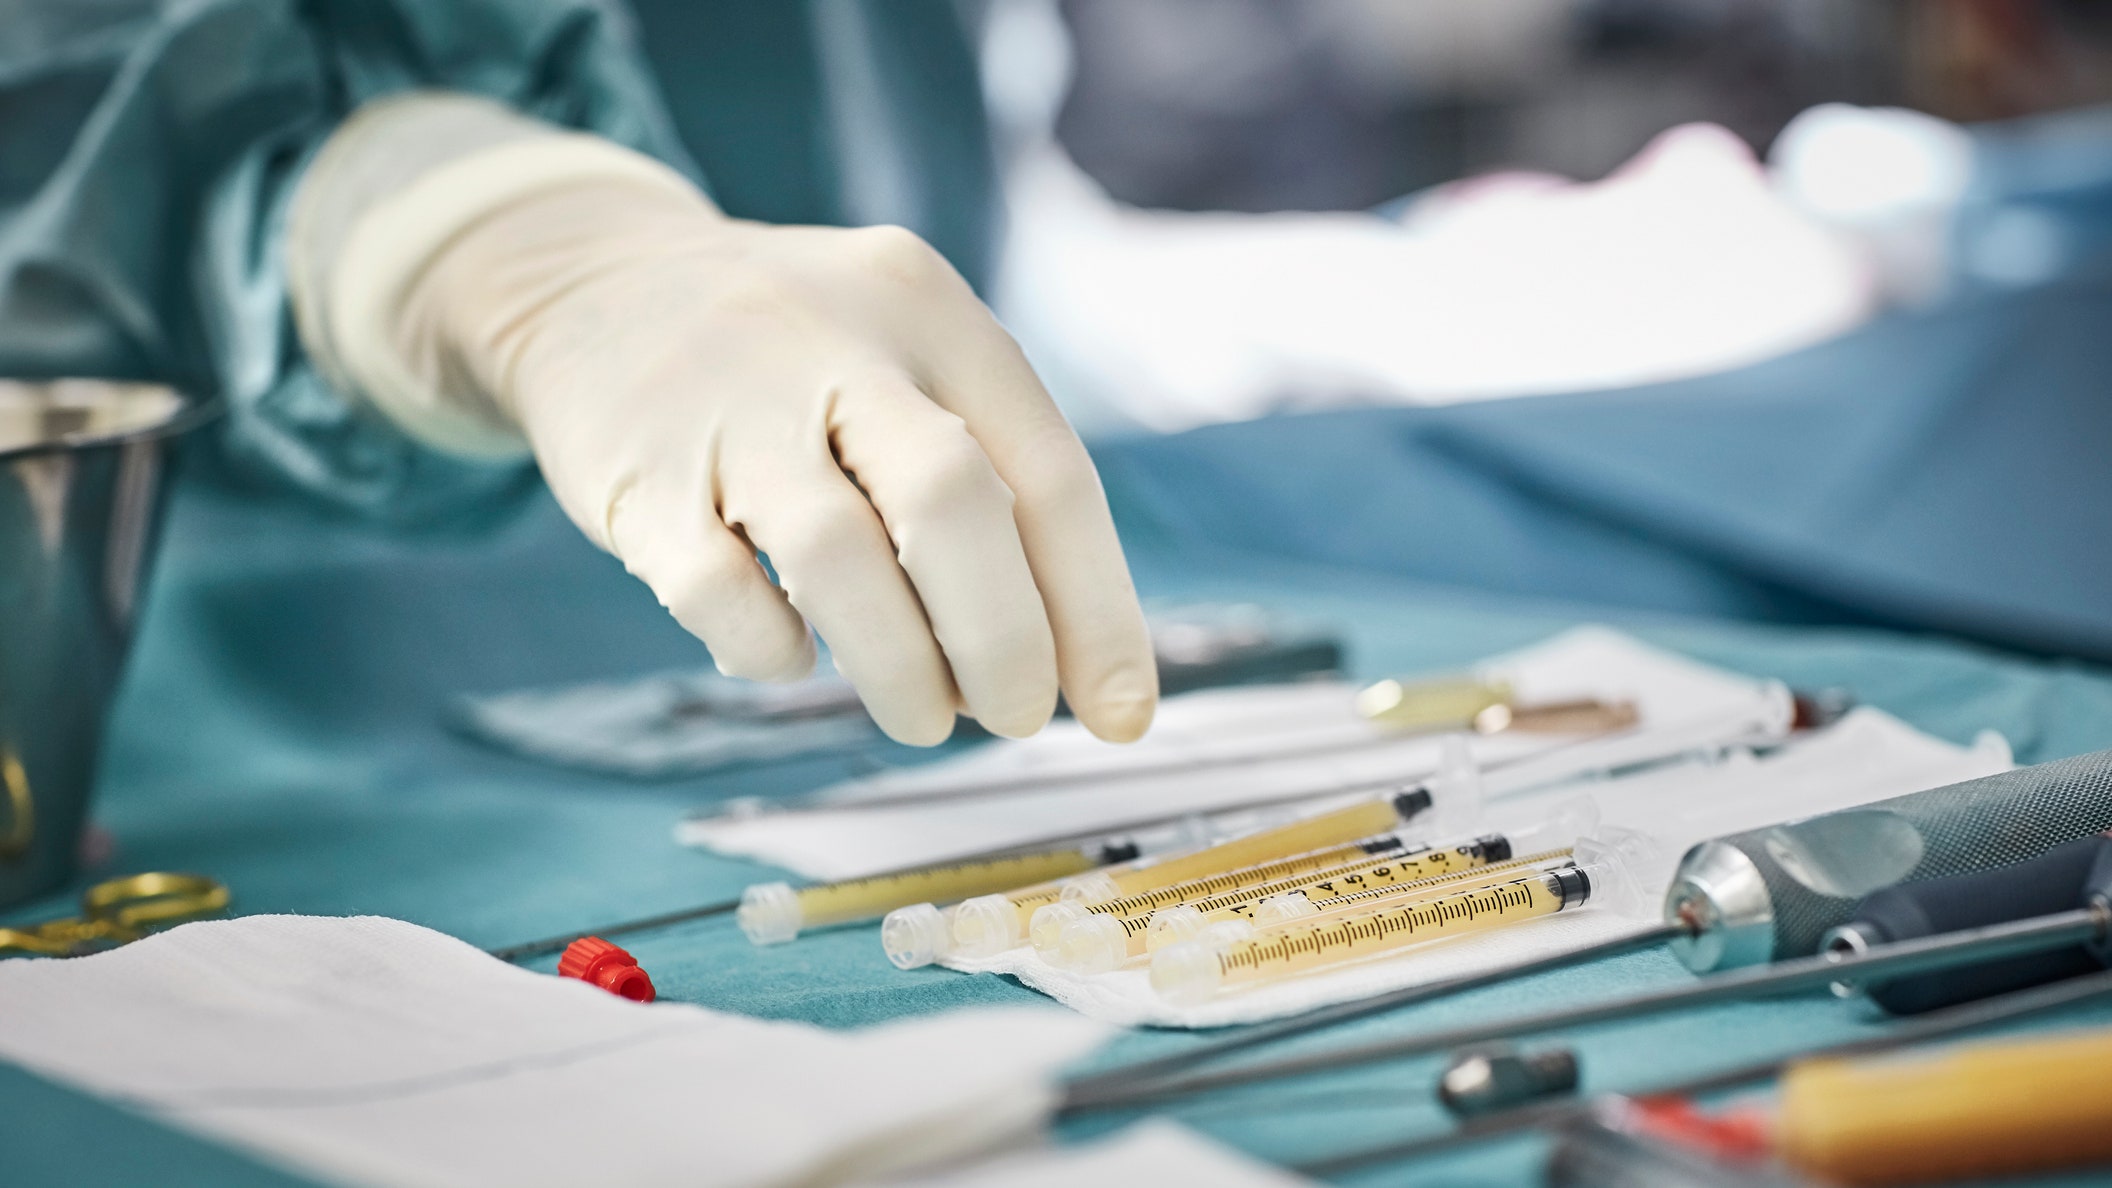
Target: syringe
<point>922,933</point>
<point>1098,943</point>
<point>1385,861</point>
<point>1561,762</point>
<point>1174,925</point>
<point>1386,857</point>
<point>1193,971</point>
<point>1169,923</point>
<point>918,934</point>
<point>772,913</point>
<point>989,924</point>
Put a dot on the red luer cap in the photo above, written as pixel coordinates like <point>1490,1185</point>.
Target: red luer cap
<point>592,959</point>
<point>1739,1135</point>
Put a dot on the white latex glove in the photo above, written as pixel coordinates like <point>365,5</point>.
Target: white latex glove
<point>697,388</point>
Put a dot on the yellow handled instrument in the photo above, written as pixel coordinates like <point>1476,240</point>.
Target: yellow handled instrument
<point>1973,1112</point>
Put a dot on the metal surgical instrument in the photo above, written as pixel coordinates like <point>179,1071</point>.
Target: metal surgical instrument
<point>118,912</point>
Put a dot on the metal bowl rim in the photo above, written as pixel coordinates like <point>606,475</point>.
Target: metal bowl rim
<point>190,415</point>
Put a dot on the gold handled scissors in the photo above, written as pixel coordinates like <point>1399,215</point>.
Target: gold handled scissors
<point>119,912</point>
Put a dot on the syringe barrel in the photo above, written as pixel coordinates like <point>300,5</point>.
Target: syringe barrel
<point>1093,942</point>
<point>1386,869</point>
<point>1342,826</point>
<point>1323,842</point>
<point>1374,898</point>
<point>771,913</point>
<point>1193,970</point>
<point>1770,894</point>
<point>1428,870</point>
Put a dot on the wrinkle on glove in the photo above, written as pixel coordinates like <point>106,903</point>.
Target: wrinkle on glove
<point>368,1050</point>
<point>153,149</point>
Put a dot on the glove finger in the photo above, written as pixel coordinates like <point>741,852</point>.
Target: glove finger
<point>1103,651</point>
<point>708,578</point>
<point>950,517</point>
<point>834,561</point>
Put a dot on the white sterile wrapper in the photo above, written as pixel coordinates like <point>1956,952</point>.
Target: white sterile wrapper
<point>668,724</point>
<point>1867,756</point>
<point>371,1051</point>
<point>1213,750</point>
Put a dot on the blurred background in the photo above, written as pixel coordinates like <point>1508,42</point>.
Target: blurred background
<point>1577,194</point>
<point>1341,104</point>
<point>1788,310</point>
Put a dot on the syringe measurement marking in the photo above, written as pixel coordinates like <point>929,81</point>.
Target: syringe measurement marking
<point>1144,902</point>
<point>1354,898</point>
<point>1336,829</point>
<point>1244,900</point>
<point>1318,940</point>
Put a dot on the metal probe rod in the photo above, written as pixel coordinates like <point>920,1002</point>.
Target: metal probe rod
<point>1116,1087</point>
<point>792,805</point>
<point>812,803</point>
<point>556,944</point>
<point>1922,955</point>
<point>1940,1024</point>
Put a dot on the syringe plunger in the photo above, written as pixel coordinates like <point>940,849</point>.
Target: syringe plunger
<point>1172,925</point>
<point>1092,887</point>
<point>985,926</point>
<point>1093,945</point>
<point>770,913</point>
<point>1279,909</point>
<point>1045,929</point>
<point>916,936</point>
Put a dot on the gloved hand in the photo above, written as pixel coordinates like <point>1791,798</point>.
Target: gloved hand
<point>697,388</point>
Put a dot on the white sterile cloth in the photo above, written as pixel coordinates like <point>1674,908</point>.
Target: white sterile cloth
<point>371,1051</point>
<point>1867,756</point>
<point>1213,750</point>
<point>1155,1153</point>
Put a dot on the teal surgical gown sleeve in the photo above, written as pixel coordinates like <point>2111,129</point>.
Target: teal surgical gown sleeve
<point>151,148</point>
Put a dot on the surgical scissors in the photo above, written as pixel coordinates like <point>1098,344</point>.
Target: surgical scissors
<point>118,912</point>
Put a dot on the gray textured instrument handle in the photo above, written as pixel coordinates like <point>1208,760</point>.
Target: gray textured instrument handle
<point>1814,871</point>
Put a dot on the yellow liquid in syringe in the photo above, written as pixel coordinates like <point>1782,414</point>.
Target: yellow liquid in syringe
<point>1377,897</point>
<point>771,913</point>
<point>1378,887</point>
<point>990,924</point>
<point>1192,972</point>
<point>1385,857</point>
<point>1097,939</point>
<point>1337,870</point>
<point>1338,830</point>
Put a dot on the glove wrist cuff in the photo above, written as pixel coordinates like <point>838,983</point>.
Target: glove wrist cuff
<point>362,239</point>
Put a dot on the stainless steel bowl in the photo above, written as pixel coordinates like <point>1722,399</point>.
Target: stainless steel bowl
<point>83,466</point>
